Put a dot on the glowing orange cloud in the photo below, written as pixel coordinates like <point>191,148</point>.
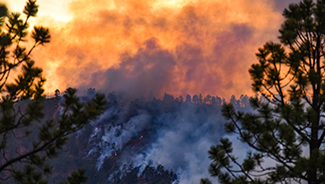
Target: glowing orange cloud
<point>175,46</point>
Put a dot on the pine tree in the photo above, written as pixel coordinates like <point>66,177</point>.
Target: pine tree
<point>17,123</point>
<point>288,131</point>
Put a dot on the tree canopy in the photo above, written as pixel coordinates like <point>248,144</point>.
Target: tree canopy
<point>21,105</point>
<point>285,136</point>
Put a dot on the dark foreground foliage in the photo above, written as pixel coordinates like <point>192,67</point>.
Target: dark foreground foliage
<point>27,139</point>
<point>286,135</point>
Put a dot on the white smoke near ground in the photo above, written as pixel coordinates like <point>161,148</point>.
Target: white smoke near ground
<point>182,145</point>
<point>119,135</point>
<point>168,132</point>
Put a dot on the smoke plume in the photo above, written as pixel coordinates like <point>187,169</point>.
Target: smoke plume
<point>179,47</point>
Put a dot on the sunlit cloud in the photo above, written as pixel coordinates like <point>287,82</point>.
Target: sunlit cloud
<point>56,9</point>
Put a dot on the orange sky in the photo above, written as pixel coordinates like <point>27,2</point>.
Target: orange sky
<point>175,46</point>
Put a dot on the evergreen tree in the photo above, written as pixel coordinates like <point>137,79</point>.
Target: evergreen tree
<point>24,149</point>
<point>288,130</point>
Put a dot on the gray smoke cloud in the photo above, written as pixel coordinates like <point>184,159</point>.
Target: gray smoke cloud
<point>139,75</point>
<point>185,70</point>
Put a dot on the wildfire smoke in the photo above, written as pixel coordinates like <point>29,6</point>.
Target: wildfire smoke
<point>152,47</point>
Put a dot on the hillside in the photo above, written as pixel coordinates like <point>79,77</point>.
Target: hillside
<point>142,141</point>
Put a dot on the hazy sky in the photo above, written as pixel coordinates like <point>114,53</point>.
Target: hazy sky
<point>174,46</point>
<point>57,9</point>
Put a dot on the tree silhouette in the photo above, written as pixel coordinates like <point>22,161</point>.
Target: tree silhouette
<point>24,148</point>
<point>57,93</point>
<point>290,77</point>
